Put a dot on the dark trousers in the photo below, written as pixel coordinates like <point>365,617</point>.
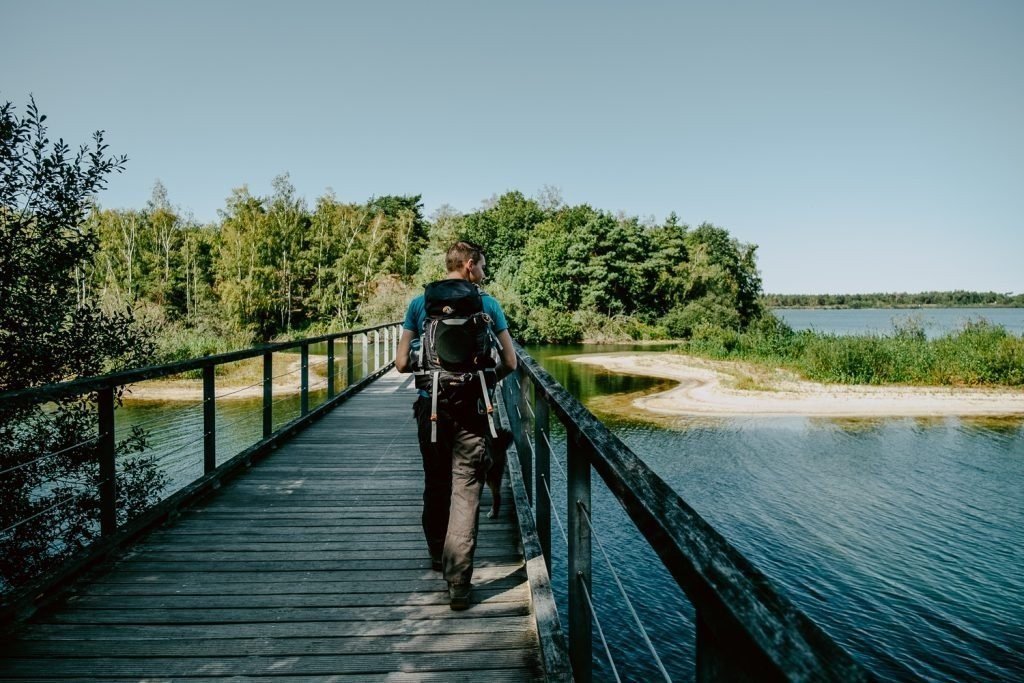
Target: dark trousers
<point>453,474</point>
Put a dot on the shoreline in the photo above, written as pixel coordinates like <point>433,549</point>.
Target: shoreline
<point>732,388</point>
<point>189,390</point>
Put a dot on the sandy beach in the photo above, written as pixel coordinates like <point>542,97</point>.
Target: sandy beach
<point>723,388</point>
<point>188,390</point>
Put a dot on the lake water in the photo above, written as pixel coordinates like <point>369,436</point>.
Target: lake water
<point>936,321</point>
<point>903,539</point>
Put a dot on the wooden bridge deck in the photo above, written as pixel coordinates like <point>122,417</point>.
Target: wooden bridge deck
<point>310,566</point>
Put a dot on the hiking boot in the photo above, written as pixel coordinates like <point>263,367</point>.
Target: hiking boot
<point>460,594</point>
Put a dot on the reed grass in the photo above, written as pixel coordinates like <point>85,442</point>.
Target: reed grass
<point>980,354</point>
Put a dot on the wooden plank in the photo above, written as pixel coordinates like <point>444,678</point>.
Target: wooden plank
<point>490,675</point>
<point>282,614</point>
<point>266,646</point>
<point>338,629</point>
<point>306,664</point>
<point>438,595</point>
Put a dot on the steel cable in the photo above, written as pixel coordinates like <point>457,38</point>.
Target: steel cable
<point>554,510</point>
<point>622,590</point>
<point>166,418</point>
<point>49,455</point>
<point>42,512</point>
<point>600,631</point>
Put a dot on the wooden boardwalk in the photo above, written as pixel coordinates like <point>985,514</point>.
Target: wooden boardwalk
<point>309,567</point>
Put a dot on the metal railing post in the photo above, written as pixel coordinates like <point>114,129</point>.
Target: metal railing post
<point>366,354</point>
<point>330,368</point>
<point>304,381</point>
<point>542,458</point>
<point>376,350</point>
<point>387,345</point>
<point>394,341</point>
<point>108,462</point>
<point>350,368</point>
<point>209,421</point>
<point>578,495</point>
<point>524,427</point>
<point>268,394</point>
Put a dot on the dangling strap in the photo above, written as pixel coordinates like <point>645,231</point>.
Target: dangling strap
<point>433,409</point>
<point>487,402</point>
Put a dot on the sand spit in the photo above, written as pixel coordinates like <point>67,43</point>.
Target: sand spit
<point>722,388</point>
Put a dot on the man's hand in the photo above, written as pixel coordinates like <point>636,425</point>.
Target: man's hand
<point>508,355</point>
<point>402,355</point>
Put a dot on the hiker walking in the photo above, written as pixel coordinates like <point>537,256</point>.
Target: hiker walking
<point>464,349</point>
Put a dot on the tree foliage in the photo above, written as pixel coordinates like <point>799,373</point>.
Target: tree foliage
<point>52,329</point>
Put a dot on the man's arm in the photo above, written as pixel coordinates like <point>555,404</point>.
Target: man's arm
<point>402,356</point>
<point>508,355</point>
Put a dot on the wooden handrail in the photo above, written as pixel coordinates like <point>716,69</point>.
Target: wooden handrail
<point>746,629</point>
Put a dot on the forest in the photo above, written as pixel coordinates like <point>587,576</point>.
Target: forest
<point>273,267</point>
<point>954,299</point>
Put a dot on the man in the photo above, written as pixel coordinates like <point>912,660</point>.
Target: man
<point>454,455</point>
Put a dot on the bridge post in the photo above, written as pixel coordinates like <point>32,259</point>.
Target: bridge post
<point>268,394</point>
<point>349,358</point>
<point>376,350</point>
<point>394,341</point>
<point>524,427</point>
<point>387,345</point>
<point>108,467</point>
<point>304,380</point>
<point>330,368</point>
<point>577,468</point>
<point>542,465</point>
<point>209,421</point>
<point>366,354</point>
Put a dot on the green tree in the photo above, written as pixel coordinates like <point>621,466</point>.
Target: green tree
<point>51,330</point>
<point>503,228</point>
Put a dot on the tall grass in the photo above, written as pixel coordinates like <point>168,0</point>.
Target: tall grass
<point>979,354</point>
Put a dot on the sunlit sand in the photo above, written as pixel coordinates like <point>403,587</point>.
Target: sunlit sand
<point>722,388</point>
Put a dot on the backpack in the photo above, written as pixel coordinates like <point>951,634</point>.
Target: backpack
<point>456,348</point>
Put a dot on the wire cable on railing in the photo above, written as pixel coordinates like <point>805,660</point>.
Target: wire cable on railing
<point>600,631</point>
<point>174,441</point>
<point>167,417</point>
<point>240,390</point>
<point>554,457</point>
<point>163,456</point>
<point>48,455</point>
<point>554,510</point>
<point>246,418</point>
<point>14,526</point>
<point>622,590</point>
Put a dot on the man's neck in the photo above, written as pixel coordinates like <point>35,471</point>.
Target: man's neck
<point>457,276</point>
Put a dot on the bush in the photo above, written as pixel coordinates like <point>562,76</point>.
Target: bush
<point>681,321</point>
<point>548,326</point>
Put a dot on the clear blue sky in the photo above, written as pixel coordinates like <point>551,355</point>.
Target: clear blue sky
<point>865,146</point>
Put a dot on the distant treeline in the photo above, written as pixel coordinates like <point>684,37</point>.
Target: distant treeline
<point>954,299</point>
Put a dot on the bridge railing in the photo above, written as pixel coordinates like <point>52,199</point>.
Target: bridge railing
<point>99,523</point>
<point>745,629</point>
